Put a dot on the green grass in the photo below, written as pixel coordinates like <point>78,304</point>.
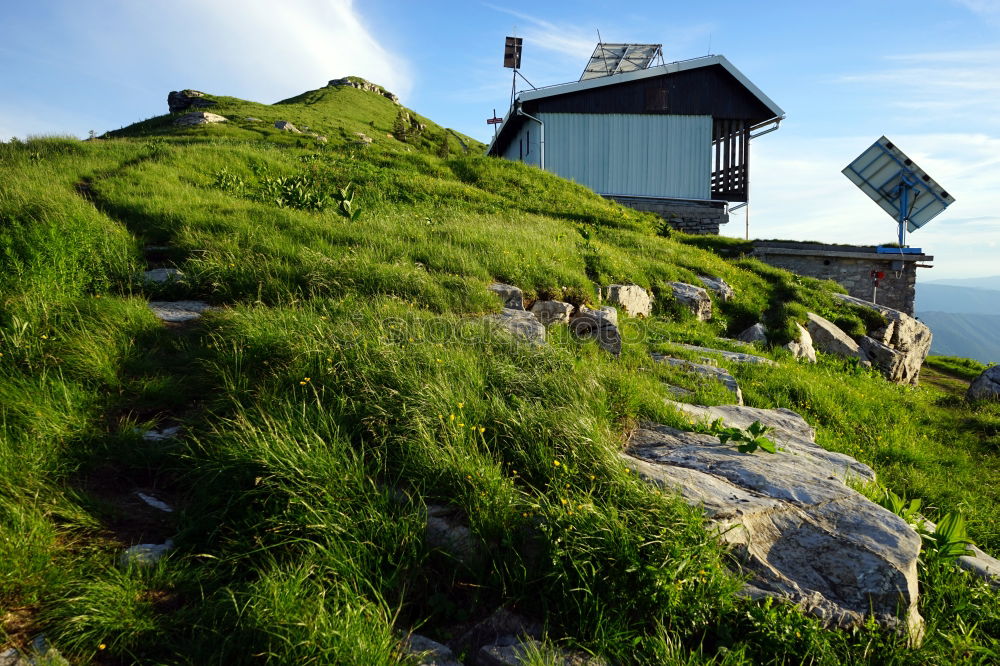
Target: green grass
<point>966,368</point>
<point>348,381</point>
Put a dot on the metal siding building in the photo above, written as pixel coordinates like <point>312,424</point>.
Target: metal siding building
<point>631,154</point>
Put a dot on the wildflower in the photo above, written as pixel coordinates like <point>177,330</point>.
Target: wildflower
<point>102,646</point>
<point>592,477</point>
<point>461,405</point>
<point>556,463</point>
<point>45,337</point>
<point>451,417</point>
<point>302,383</point>
<point>564,500</point>
<point>461,425</point>
<point>469,477</point>
<point>308,379</point>
<point>482,429</point>
<point>440,361</point>
<point>329,360</point>
<point>441,416</point>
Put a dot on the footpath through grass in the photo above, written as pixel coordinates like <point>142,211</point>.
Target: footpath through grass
<point>347,381</point>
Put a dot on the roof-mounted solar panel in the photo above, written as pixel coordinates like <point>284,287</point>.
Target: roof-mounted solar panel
<point>610,59</point>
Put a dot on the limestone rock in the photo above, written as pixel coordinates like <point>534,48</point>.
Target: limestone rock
<point>803,347</point>
<point>736,357</point>
<point>178,311</point>
<point>551,312</point>
<point>286,126</point>
<point>633,299</point>
<point>161,434</point>
<point>199,118</point>
<point>909,341</point>
<point>790,517</point>
<point>986,386</point>
<point>40,653</point>
<point>161,275</point>
<point>694,298</point>
<point>146,554</point>
<point>431,653</point>
<point>363,138</point>
<point>983,565</point>
<point>158,504</point>
<point>520,323</point>
<point>604,312</point>
<point>251,119</point>
<point>756,333</point>
<point>187,99</point>
<point>712,372</point>
<point>511,296</point>
<point>828,338</point>
<point>361,84</point>
<point>601,329</point>
<point>719,286</point>
<point>502,627</point>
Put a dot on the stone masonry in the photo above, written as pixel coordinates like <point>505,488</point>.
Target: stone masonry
<point>851,266</point>
<point>691,217</point>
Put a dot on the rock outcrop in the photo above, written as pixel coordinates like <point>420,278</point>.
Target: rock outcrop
<point>199,118</point>
<point>986,386</point>
<point>695,299</point>
<point>604,312</point>
<point>551,312</point>
<point>755,333</point>
<point>736,357</point>
<point>803,347</point>
<point>361,84</point>
<point>520,323</point>
<point>828,338</point>
<point>791,519</point>
<point>286,126</point>
<point>898,350</point>
<point>633,299</point>
<point>719,286</point>
<point>601,329</point>
<point>710,371</point>
<point>183,100</point>
<point>511,296</point>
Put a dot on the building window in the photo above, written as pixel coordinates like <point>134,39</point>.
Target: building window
<point>520,149</point>
<point>656,98</point>
<point>528,141</point>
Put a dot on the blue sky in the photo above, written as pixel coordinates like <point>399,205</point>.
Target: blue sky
<point>926,73</point>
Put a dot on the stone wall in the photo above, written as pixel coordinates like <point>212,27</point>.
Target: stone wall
<point>691,217</point>
<point>850,266</point>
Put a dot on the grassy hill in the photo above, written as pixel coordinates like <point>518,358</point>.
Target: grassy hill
<point>346,380</point>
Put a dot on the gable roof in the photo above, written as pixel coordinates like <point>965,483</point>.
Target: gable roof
<point>591,87</point>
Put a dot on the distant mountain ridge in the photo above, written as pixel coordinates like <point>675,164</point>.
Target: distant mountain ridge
<point>935,297</point>
<point>967,335</point>
<point>989,282</point>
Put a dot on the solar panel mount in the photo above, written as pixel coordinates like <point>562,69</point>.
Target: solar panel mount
<point>611,59</point>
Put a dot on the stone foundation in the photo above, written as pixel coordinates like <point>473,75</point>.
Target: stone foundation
<point>851,266</point>
<point>690,217</point>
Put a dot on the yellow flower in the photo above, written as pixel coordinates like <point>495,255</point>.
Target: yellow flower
<point>461,405</point>
<point>451,417</point>
<point>482,429</point>
<point>556,463</point>
<point>461,425</point>
<point>45,337</point>
<point>564,500</point>
<point>592,477</point>
<point>302,383</point>
<point>308,378</point>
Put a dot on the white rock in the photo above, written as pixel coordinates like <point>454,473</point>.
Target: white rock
<point>286,126</point>
<point>986,386</point>
<point>828,338</point>
<point>551,312</point>
<point>161,275</point>
<point>718,285</point>
<point>199,118</point>
<point>633,299</point>
<point>178,311</point>
<point>430,653</point>
<point>695,299</point>
<point>801,532</point>
<point>155,503</point>
<point>146,554</point>
<point>603,312</point>
<point>520,323</point>
<point>736,357</point>
<point>803,347</point>
<point>511,296</point>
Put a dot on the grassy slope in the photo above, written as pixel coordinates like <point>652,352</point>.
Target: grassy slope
<point>318,407</point>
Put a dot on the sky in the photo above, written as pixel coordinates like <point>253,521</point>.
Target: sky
<point>925,73</point>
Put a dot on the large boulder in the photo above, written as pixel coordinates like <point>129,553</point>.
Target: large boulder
<point>511,296</point>
<point>605,312</point>
<point>183,100</point>
<point>793,522</point>
<point>633,299</point>
<point>898,349</point>
<point>718,285</point>
<point>287,126</point>
<point>601,329</point>
<point>986,386</point>
<point>199,118</point>
<point>551,312</point>
<point>695,299</point>
<point>828,338</point>
<point>429,652</point>
<point>755,333</point>
<point>520,323</point>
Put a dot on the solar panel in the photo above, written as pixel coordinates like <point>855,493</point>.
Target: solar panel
<point>898,185</point>
<point>609,59</point>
